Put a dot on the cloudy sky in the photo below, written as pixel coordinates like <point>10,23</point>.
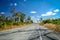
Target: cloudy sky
<point>35,8</point>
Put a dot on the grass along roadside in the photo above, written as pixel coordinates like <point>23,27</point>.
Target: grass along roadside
<point>7,27</point>
<point>53,24</point>
<point>53,27</point>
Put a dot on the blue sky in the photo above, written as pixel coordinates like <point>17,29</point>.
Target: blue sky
<point>35,8</point>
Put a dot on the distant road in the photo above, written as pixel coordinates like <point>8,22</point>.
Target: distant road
<point>30,32</point>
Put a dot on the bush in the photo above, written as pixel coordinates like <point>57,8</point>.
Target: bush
<point>57,28</point>
<point>50,26</point>
<point>53,21</point>
<point>2,25</point>
<point>41,23</point>
<point>16,23</point>
<point>9,23</point>
<point>53,27</point>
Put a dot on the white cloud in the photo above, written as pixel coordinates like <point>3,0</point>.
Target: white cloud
<point>56,10</point>
<point>51,13</point>
<point>48,14</point>
<point>15,4</point>
<point>2,12</point>
<point>33,12</point>
<point>54,14</point>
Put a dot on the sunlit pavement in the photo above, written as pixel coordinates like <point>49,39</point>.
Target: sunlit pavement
<point>17,34</point>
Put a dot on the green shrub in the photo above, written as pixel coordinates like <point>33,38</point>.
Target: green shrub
<point>41,23</point>
<point>16,23</point>
<point>53,21</point>
<point>9,23</point>
<point>1,26</point>
<point>1,23</point>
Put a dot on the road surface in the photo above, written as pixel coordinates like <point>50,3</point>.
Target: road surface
<point>31,32</point>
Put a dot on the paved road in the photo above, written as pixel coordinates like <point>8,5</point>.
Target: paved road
<point>31,34</point>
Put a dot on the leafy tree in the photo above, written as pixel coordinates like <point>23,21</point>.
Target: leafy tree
<point>2,17</point>
<point>22,17</point>
<point>54,21</point>
<point>29,20</point>
<point>19,16</point>
<point>16,16</point>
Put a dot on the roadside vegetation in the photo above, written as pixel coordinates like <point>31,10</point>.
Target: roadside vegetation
<point>53,24</point>
<point>15,20</point>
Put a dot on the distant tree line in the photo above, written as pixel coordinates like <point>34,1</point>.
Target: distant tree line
<point>16,18</point>
<point>48,20</point>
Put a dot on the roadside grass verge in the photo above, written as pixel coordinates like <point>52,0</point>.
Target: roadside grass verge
<point>4,26</point>
<point>53,27</point>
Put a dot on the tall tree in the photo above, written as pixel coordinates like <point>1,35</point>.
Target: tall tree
<point>19,16</point>
<point>16,16</point>
<point>22,17</point>
<point>2,16</point>
<point>29,20</point>
<point>12,11</point>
